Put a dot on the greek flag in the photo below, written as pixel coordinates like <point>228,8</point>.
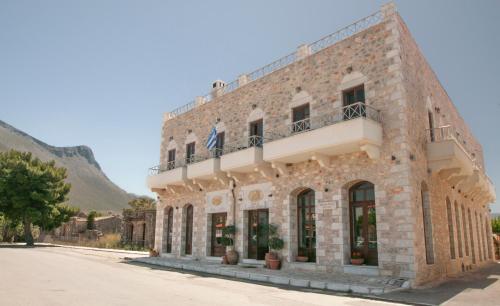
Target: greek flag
<point>212,139</point>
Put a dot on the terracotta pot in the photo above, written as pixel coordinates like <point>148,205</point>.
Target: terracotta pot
<point>301,258</point>
<point>357,261</point>
<point>274,264</point>
<point>224,260</point>
<point>270,256</point>
<point>232,257</point>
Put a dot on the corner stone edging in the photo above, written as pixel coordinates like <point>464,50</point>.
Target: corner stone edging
<point>274,279</point>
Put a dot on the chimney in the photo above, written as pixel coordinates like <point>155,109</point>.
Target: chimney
<point>218,88</point>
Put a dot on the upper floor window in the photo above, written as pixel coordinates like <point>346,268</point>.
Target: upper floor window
<point>256,132</point>
<point>430,117</point>
<point>171,159</point>
<point>354,95</point>
<point>300,117</point>
<point>219,144</point>
<point>190,151</point>
<point>354,102</point>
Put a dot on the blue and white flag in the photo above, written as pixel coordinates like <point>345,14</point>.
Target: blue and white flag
<point>212,139</point>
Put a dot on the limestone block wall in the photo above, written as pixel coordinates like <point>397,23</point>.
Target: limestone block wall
<point>402,86</point>
<point>423,93</point>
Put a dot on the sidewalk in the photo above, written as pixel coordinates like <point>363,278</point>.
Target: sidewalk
<point>339,282</point>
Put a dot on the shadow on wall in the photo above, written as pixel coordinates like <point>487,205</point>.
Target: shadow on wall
<point>481,279</point>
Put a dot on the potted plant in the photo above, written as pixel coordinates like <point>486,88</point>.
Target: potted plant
<point>153,253</point>
<point>275,243</point>
<point>227,240</point>
<point>357,258</point>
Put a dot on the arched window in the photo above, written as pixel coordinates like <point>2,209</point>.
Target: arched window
<point>488,240</point>
<point>479,242</point>
<point>188,246</point>
<point>459,231</point>
<point>471,234</point>
<point>168,228</point>
<point>466,239</point>
<point>451,231</point>
<point>427,219</point>
<point>363,221</point>
<point>306,224</point>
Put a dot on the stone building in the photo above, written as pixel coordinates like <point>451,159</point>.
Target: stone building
<point>76,228</point>
<point>349,144</point>
<point>139,227</point>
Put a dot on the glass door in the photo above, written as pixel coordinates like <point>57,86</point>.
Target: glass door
<point>258,221</point>
<point>218,223</point>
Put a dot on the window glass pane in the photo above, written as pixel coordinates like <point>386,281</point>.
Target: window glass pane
<point>360,95</point>
<point>372,228</point>
<point>357,226</point>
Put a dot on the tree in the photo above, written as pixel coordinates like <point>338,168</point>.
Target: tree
<point>142,203</point>
<point>495,225</point>
<point>32,191</point>
<point>91,220</point>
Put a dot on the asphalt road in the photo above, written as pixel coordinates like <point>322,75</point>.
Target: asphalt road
<point>61,276</point>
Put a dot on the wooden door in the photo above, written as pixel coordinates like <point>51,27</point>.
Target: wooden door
<point>363,222</point>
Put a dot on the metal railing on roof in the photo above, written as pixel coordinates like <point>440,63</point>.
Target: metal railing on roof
<point>291,58</point>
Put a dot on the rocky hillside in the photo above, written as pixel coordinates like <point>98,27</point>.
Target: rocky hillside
<point>91,189</point>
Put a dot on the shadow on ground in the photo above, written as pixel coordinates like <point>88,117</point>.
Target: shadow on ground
<point>485,278</point>
<point>24,246</point>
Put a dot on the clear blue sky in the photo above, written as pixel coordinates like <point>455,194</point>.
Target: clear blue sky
<point>101,73</point>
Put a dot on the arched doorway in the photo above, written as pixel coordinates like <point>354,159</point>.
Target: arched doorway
<point>188,246</point>
<point>363,222</point>
<point>168,228</point>
<point>306,225</point>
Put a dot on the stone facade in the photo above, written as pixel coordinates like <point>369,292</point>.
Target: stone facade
<point>139,227</point>
<point>400,84</point>
<point>76,228</point>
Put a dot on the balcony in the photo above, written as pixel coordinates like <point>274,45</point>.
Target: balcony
<point>242,157</point>
<point>172,173</point>
<point>353,128</point>
<point>449,156</point>
<point>204,167</point>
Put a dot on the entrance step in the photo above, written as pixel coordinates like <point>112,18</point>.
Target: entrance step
<point>252,263</point>
<point>362,270</point>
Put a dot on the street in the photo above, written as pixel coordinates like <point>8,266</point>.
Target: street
<point>63,276</point>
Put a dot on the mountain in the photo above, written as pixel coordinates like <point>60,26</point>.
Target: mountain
<point>90,187</point>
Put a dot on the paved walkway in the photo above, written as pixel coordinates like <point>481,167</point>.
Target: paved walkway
<point>53,276</point>
<point>371,285</point>
<point>480,287</point>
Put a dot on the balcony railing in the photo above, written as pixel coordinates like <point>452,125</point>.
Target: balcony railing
<point>252,141</point>
<point>291,58</point>
<point>341,114</point>
<point>353,111</point>
<point>448,132</point>
<point>167,166</point>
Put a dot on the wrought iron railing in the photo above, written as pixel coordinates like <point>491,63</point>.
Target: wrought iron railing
<point>167,166</point>
<point>353,111</point>
<point>251,141</point>
<point>346,32</point>
<point>300,126</point>
<point>291,58</point>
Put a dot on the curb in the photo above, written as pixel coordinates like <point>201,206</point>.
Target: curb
<point>358,289</point>
<point>98,249</point>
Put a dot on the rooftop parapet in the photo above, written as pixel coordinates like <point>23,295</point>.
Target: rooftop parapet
<point>302,52</point>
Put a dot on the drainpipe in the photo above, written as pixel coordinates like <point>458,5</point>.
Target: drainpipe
<point>232,184</point>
